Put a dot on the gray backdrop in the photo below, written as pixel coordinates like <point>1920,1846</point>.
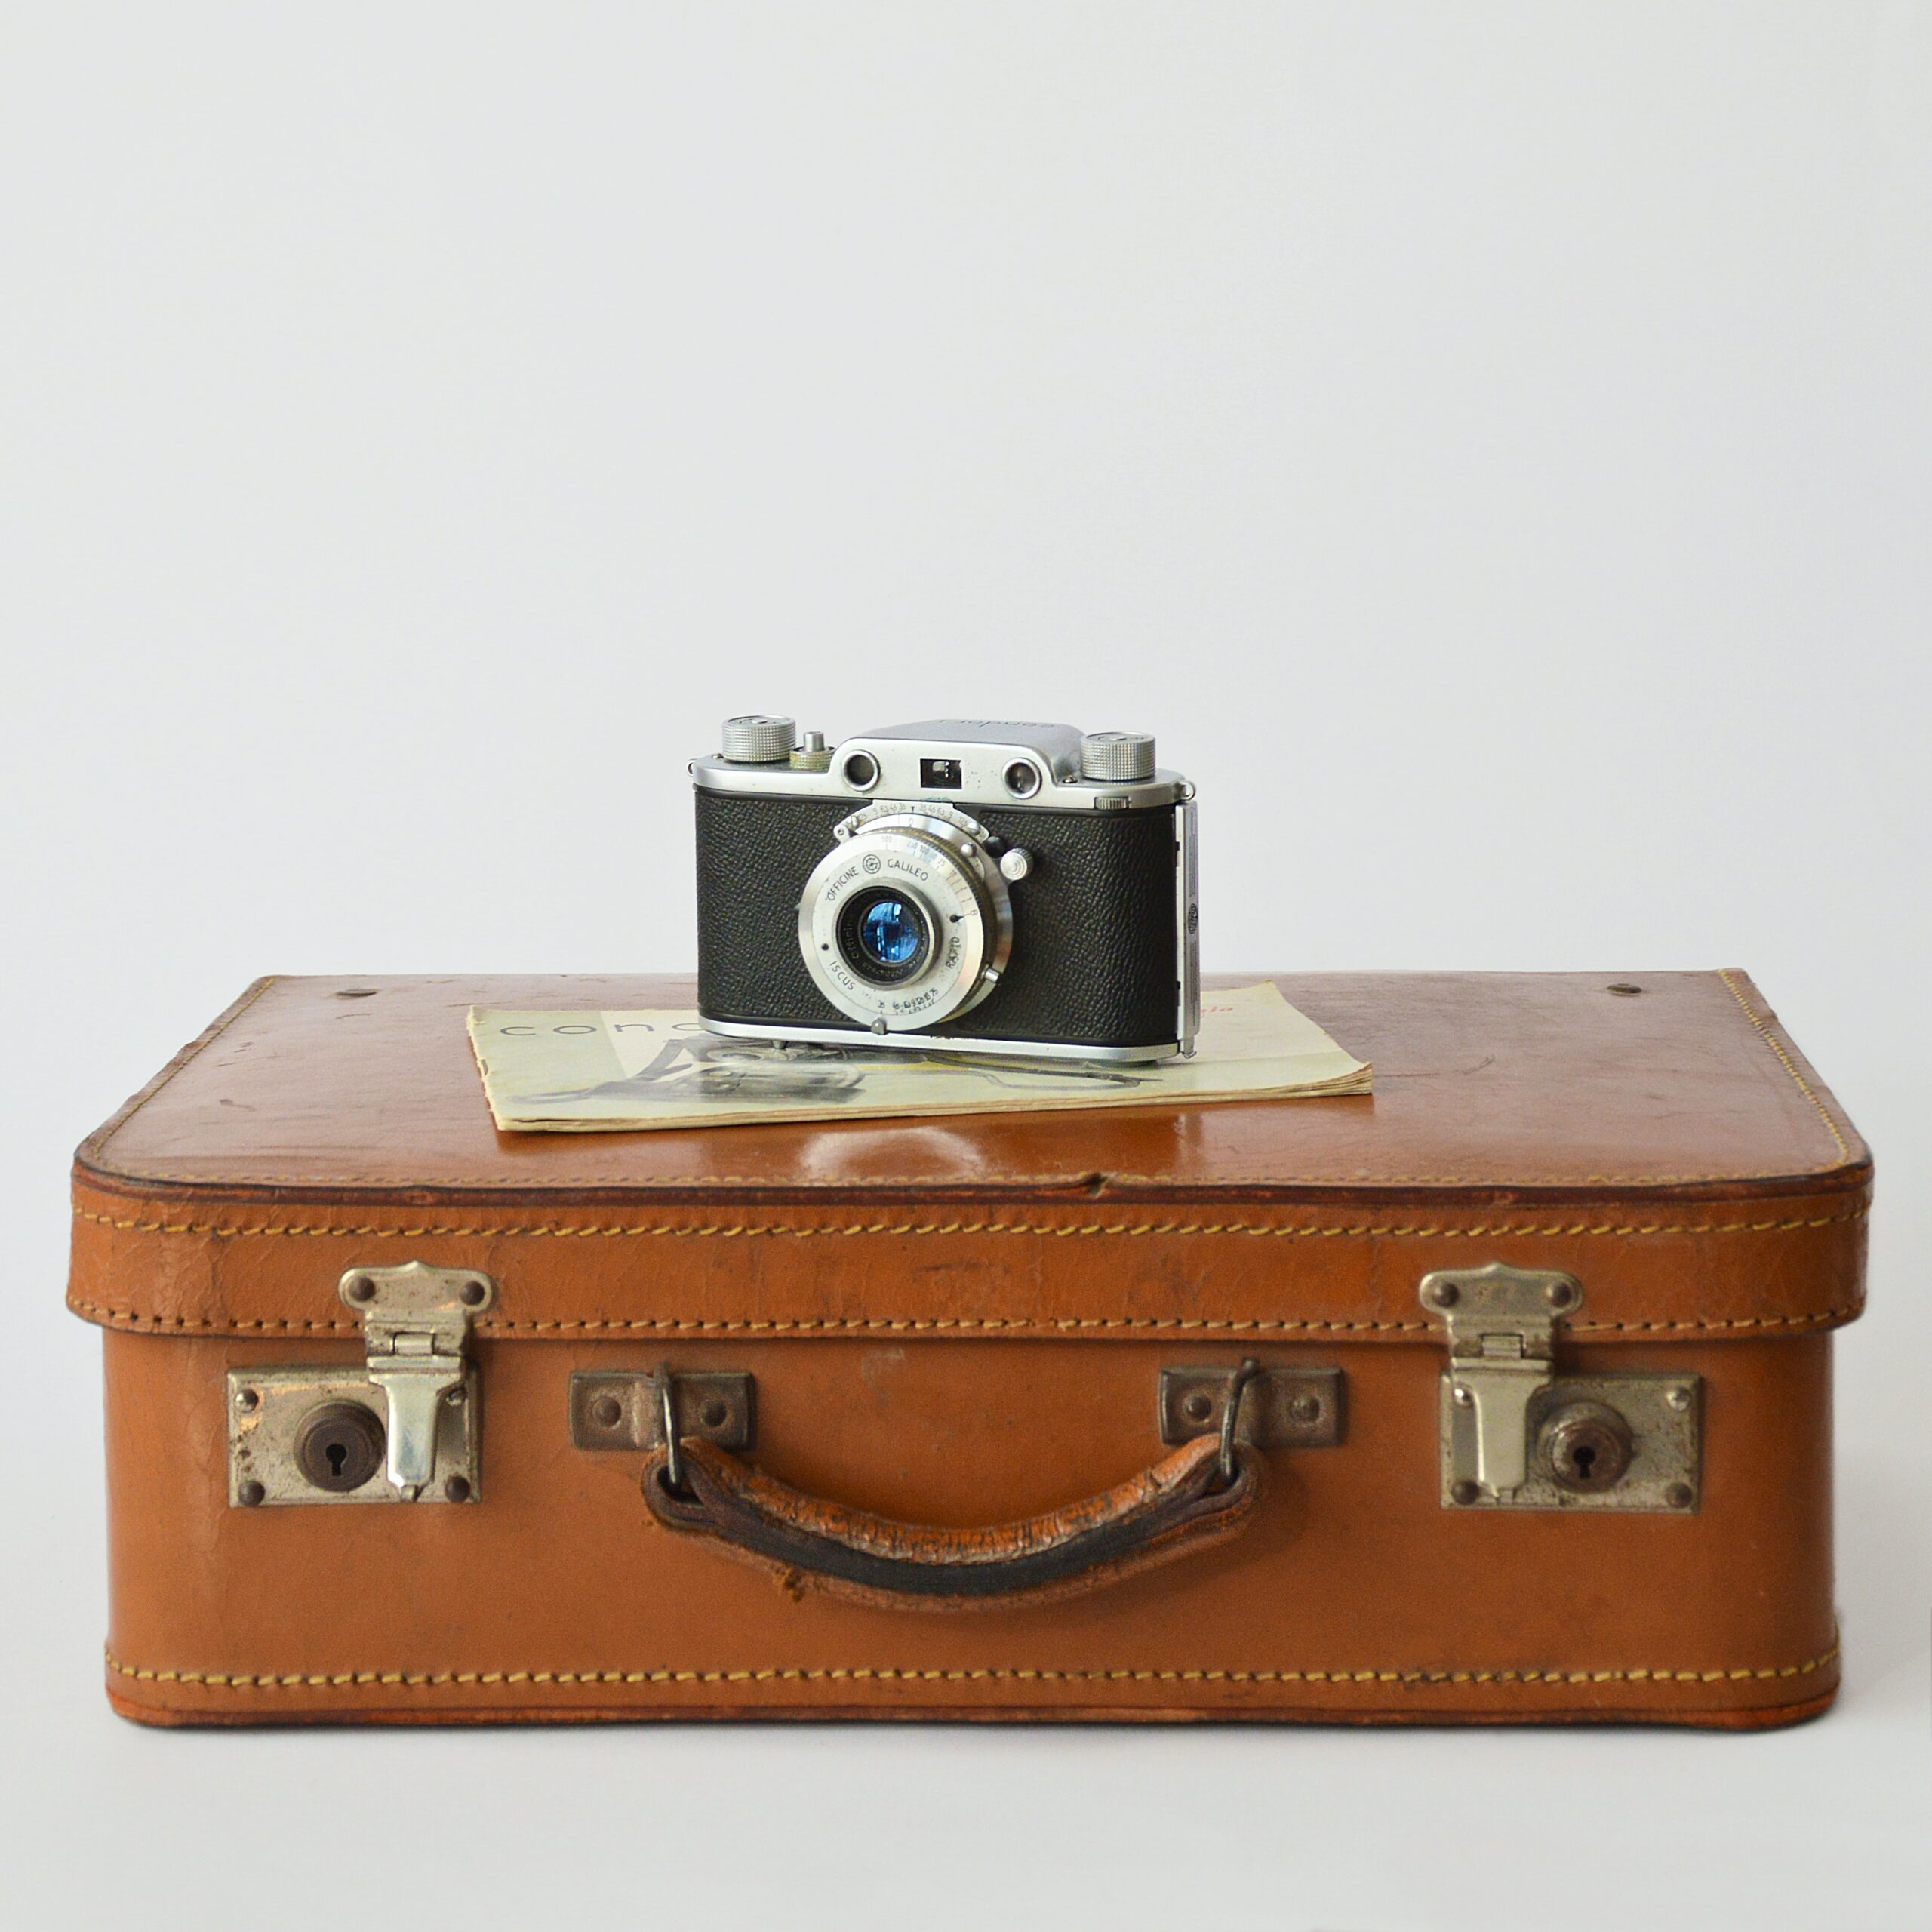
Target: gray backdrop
<point>1489,444</point>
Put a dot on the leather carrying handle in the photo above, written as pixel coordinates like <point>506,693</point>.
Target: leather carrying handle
<point>1173,1510</point>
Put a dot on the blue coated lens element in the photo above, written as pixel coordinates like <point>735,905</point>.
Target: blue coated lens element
<point>890,931</point>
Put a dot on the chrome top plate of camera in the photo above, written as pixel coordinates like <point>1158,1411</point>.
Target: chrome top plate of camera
<point>961,762</point>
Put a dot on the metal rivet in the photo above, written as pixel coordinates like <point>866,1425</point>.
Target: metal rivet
<point>1557,1294</point>
<point>458,1489</point>
<point>1624,988</point>
<point>1678,1398</point>
<point>606,1412</point>
<point>472,1294</point>
<point>713,1413</point>
<point>252,1492</point>
<point>361,1289</point>
<point>358,992</point>
<point>1464,1398</point>
<point>1679,1496</point>
<point>1306,1408</point>
<point>249,1398</point>
<point>1464,1492</point>
<point>1198,1407</point>
<point>1445,1295</point>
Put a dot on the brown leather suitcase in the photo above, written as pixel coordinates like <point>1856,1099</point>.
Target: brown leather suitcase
<point>1528,1357</point>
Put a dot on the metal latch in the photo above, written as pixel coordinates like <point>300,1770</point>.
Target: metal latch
<point>1502,1342</point>
<point>1516,1436</point>
<point>400,1428</point>
<point>415,1323</point>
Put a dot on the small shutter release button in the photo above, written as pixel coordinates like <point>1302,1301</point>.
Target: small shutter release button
<point>1118,758</point>
<point>758,740</point>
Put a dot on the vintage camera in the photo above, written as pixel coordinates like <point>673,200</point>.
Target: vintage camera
<point>974,887</point>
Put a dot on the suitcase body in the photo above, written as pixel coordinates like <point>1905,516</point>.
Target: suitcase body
<point>1500,1395</point>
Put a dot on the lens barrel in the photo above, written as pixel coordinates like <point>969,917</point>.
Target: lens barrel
<point>906,921</point>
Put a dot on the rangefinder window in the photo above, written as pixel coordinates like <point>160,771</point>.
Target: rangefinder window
<point>940,775</point>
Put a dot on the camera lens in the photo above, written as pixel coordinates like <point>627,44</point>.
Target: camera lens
<point>906,921</point>
<point>888,933</point>
<point>884,935</point>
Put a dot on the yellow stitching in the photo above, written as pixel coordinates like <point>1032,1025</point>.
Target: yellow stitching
<point>890,1674</point>
<point>940,1324</point>
<point>184,1324</point>
<point>747,1325</point>
<point>1822,1318</point>
<point>1057,1230</point>
<point>1068,1186</point>
<point>1771,1040</point>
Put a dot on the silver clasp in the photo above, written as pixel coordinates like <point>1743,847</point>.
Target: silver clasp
<point>1502,1324</point>
<point>415,1325</point>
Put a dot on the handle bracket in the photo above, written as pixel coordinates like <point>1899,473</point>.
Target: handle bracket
<point>615,1410</point>
<point>1281,1408</point>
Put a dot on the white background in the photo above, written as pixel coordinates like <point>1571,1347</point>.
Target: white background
<point>1488,444</point>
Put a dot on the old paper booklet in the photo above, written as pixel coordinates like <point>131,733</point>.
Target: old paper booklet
<point>589,1072</point>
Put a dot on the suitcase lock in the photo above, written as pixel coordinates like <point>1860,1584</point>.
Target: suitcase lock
<point>1516,1436</point>
<point>401,1429</point>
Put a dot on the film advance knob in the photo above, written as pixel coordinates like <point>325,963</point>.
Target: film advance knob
<point>758,740</point>
<point>1118,758</point>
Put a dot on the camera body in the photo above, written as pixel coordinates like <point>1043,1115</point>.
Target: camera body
<point>962,885</point>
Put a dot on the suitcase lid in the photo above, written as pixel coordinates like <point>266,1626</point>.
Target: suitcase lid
<point>1538,1094</point>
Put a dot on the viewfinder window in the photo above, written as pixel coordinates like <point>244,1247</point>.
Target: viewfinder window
<point>940,775</point>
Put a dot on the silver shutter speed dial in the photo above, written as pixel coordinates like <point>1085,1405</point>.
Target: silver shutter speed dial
<point>758,740</point>
<point>1116,757</point>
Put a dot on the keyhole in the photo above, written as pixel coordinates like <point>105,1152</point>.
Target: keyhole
<point>1588,1447</point>
<point>338,1446</point>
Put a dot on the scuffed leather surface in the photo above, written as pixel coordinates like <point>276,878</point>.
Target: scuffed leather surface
<point>1487,1086</point>
<point>721,1233</point>
<point>652,1273</point>
<point>961,1322</point>
<point>1350,1594</point>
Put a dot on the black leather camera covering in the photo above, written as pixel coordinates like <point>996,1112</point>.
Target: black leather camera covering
<point>1095,959</point>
